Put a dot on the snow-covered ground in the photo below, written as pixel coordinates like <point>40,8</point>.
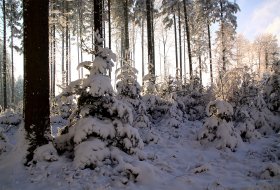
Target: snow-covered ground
<point>175,159</point>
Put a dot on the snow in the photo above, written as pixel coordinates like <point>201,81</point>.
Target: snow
<point>175,161</point>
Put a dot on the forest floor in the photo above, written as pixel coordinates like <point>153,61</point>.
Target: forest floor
<point>174,160</point>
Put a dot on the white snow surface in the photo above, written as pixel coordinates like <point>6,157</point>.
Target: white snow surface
<point>175,161</point>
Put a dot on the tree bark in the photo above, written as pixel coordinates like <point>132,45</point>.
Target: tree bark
<point>180,42</point>
<point>151,50</point>
<point>4,56</point>
<point>210,52</point>
<point>36,73</point>
<point>188,40</point>
<point>176,51</point>
<point>98,21</point>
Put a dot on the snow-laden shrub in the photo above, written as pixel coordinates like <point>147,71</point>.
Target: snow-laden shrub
<point>129,92</point>
<point>4,141</point>
<point>195,99</point>
<point>169,86</point>
<point>101,123</point>
<point>127,84</point>
<point>9,117</point>
<point>149,84</point>
<point>271,88</point>
<point>156,107</point>
<point>175,113</point>
<point>245,125</point>
<point>264,120</point>
<point>218,129</point>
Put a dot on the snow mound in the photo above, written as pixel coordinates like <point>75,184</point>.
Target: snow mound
<point>271,170</point>
<point>45,153</point>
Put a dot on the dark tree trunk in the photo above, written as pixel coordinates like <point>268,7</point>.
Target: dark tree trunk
<point>143,49</point>
<point>36,73</point>
<point>4,56</point>
<point>210,52</point>
<point>98,21</point>
<point>126,32</point>
<point>151,50</point>
<point>223,37</point>
<point>176,51</point>
<point>67,45</point>
<point>180,42</point>
<point>12,57</point>
<point>188,40</point>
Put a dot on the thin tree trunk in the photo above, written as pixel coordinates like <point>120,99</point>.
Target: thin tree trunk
<point>188,40</point>
<point>4,56</point>
<point>67,46</point>
<point>176,51</point>
<point>200,69</point>
<point>54,61</point>
<point>12,59</point>
<point>78,48</point>
<point>143,50</point>
<point>69,59</point>
<point>36,73</point>
<point>210,52</point>
<point>126,32</point>
<point>223,37</point>
<point>180,42</point>
<point>109,29</point>
<point>151,58</point>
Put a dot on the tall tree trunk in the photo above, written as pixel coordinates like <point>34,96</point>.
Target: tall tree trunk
<point>36,73</point>
<point>188,40</point>
<point>151,50</point>
<point>4,56</point>
<point>200,68</point>
<point>67,45</point>
<point>143,49</point>
<point>54,62</point>
<point>176,51</point>
<point>109,29</point>
<point>69,59</point>
<point>12,59</point>
<point>98,21</point>
<point>81,34</point>
<point>210,52</point>
<point>223,37</point>
<point>126,32</point>
<point>78,47</point>
<point>180,42</point>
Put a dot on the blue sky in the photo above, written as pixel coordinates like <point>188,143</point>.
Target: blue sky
<point>258,16</point>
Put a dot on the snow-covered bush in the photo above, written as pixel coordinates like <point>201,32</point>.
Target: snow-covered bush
<point>102,123</point>
<point>127,84</point>
<point>156,107</point>
<point>245,125</point>
<point>236,86</point>
<point>175,113</point>
<point>271,88</point>
<point>169,86</point>
<point>218,129</point>
<point>9,117</point>
<point>149,84</point>
<point>195,99</point>
<point>264,120</point>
